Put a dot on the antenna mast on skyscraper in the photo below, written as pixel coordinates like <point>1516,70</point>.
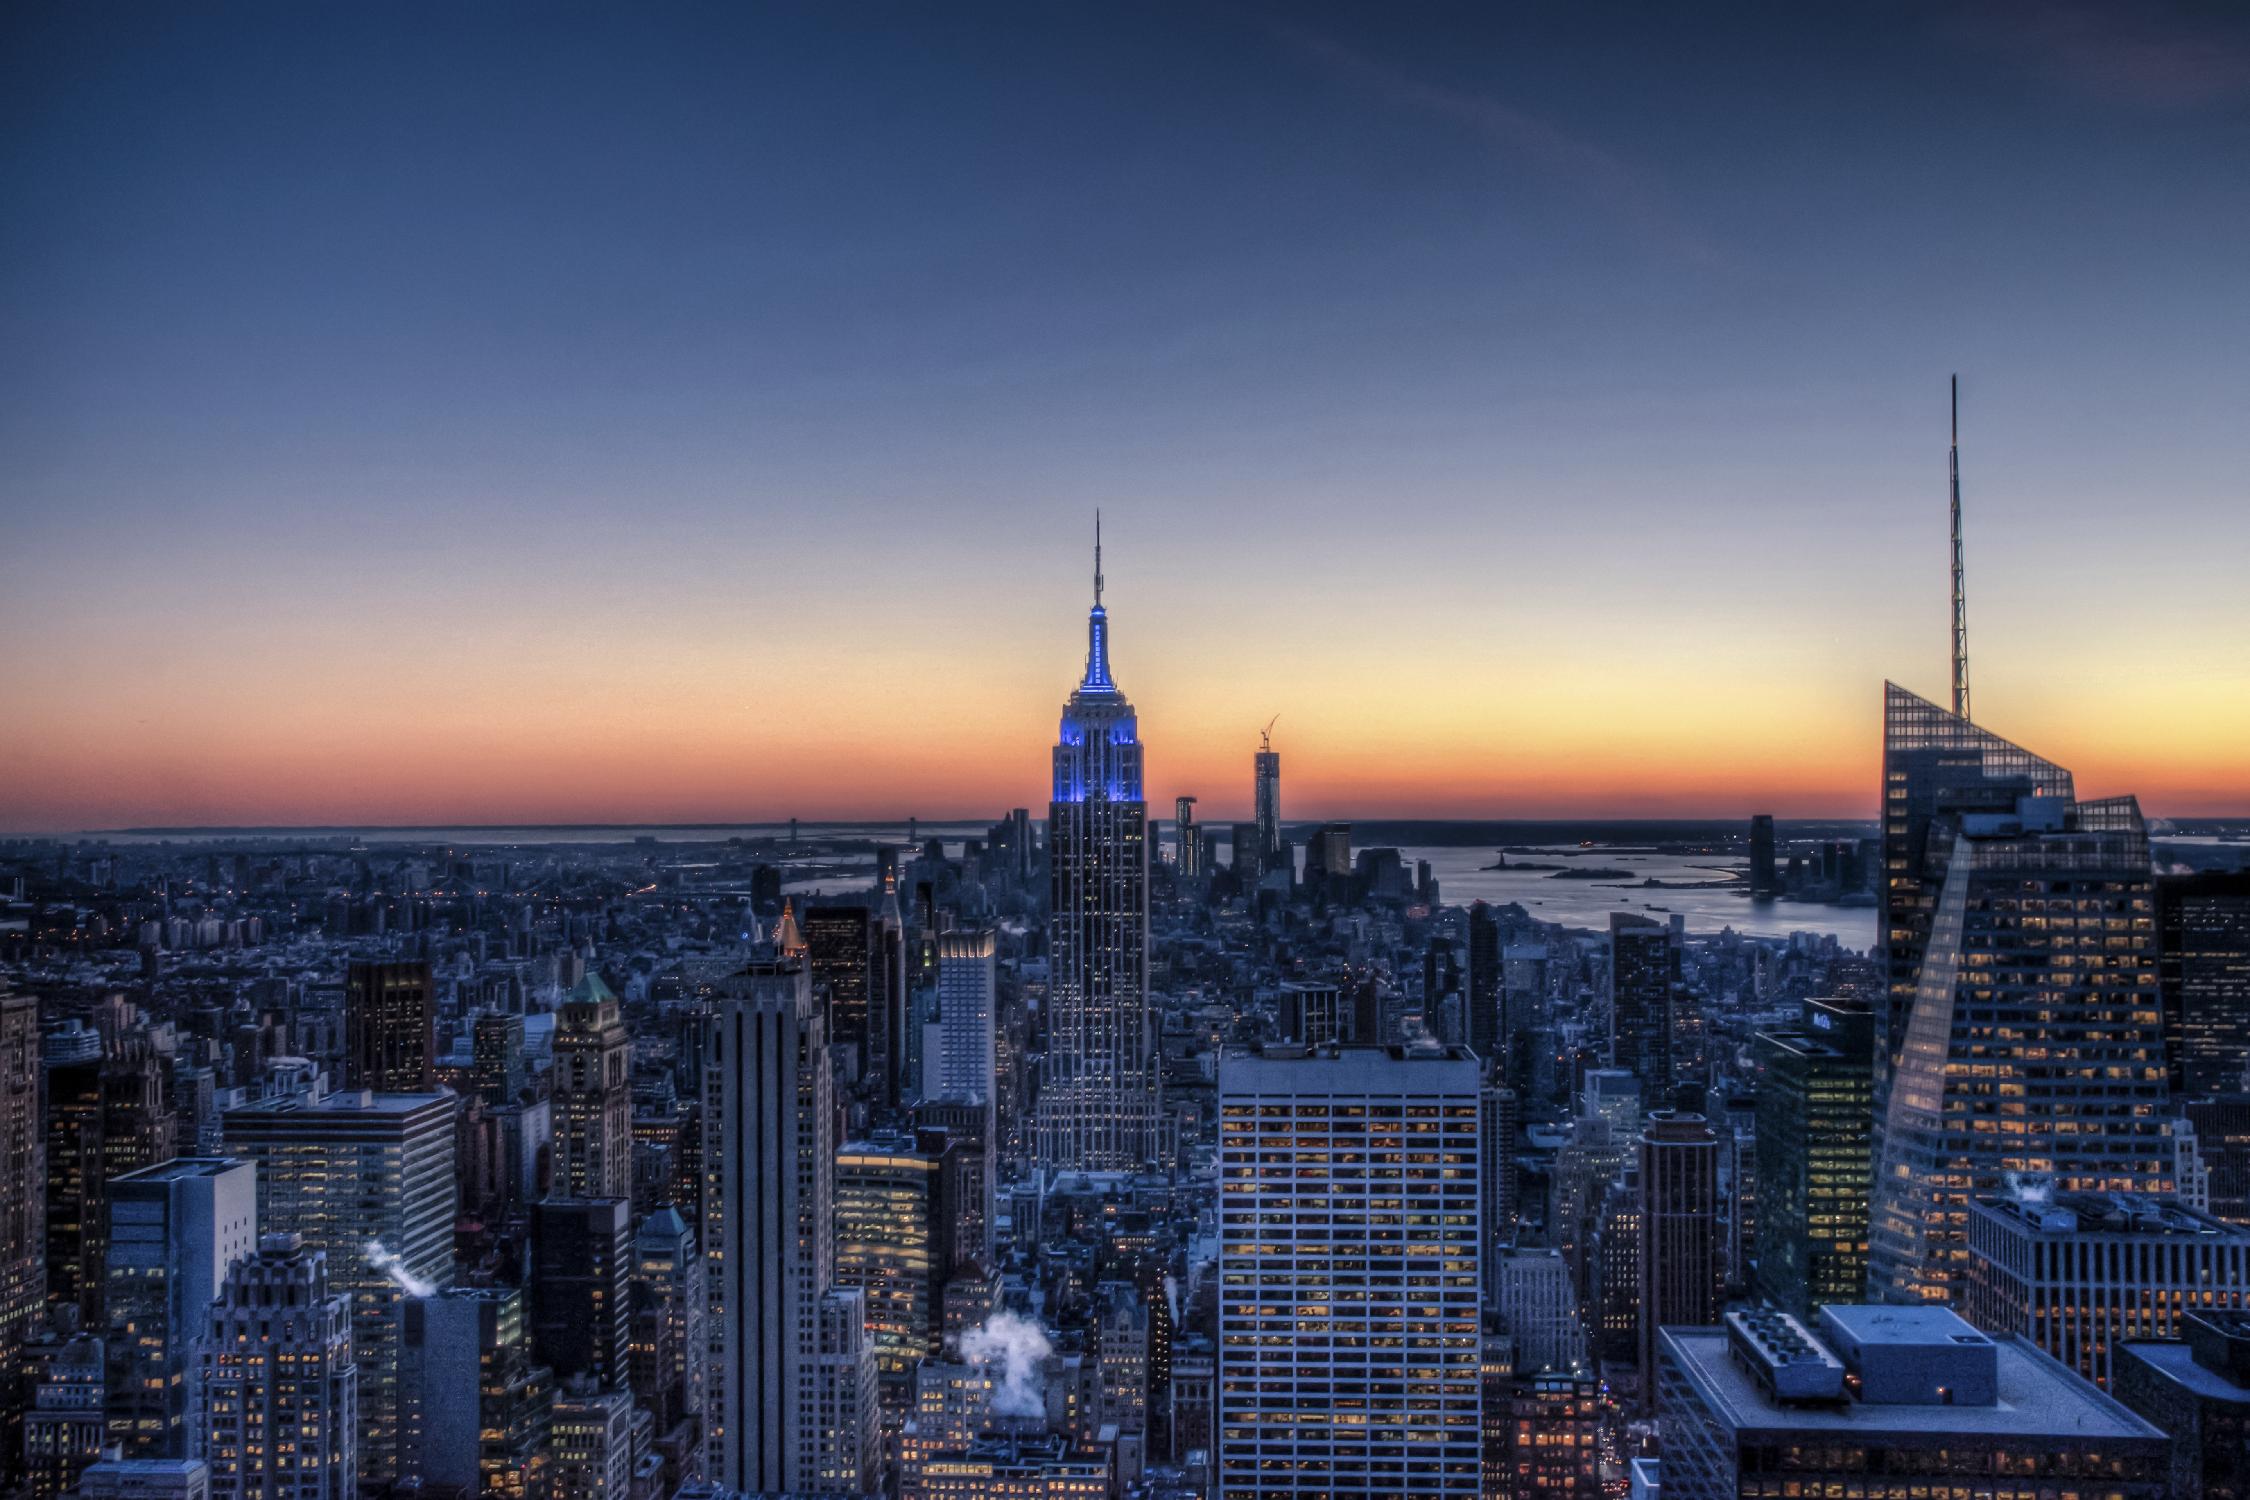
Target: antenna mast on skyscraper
<point>1098,555</point>
<point>1960,594</point>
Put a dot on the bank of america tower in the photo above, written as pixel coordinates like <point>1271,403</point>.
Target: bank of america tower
<point>1098,1106</point>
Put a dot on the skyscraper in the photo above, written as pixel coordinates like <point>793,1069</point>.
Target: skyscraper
<point>1266,800</point>
<point>581,1277</point>
<point>1679,1242</point>
<point>1763,881</point>
<point>174,1232</point>
<point>2203,934</point>
<point>890,1245</point>
<point>476,1409</point>
<point>668,1324</point>
<point>966,989</point>
<point>390,1028</point>
<point>1815,1101</point>
<point>840,952</point>
<point>368,1180</point>
<point>2079,1273</point>
<point>1099,1085</point>
<point>1644,980</point>
<point>2026,1031</point>
<point>106,1116</point>
<point>593,1096</point>
<point>1187,839</point>
<point>1486,1024</point>
<point>1349,1271</point>
<point>776,1346</point>
<point>23,1181</point>
<point>278,1401</point>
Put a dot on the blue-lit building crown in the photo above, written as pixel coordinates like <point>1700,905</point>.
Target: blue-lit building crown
<point>1098,750</point>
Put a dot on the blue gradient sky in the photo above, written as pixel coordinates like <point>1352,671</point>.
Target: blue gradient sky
<point>503,411</point>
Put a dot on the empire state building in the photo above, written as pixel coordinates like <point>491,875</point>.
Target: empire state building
<point>1098,1087</point>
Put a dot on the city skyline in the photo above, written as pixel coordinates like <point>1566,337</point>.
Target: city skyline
<point>1580,416</point>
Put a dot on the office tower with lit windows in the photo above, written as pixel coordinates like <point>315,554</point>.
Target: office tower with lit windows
<point>2026,1036</point>
<point>840,952</point>
<point>1349,1274</point>
<point>592,1106</point>
<point>106,1116</point>
<point>476,1409</point>
<point>496,1057</point>
<point>1679,1236</point>
<point>1551,1431</point>
<point>2196,1389</point>
<point>592,1442</point>
<point>368,1180</point>
<point>277,1404</point>
<point>1099,1088</point>
<point>62,1422</point>
<point>1187,839</point>
<point>1535,1300</point>
<point>1815,1101</point>
<point>2079,1273</point>
<point>174,1231</point>
<point>890,1245</point>
<point>390,1028</point>
<point>2203,944</point>
<point>782,1339</point>
<point>1644,988</point>
<point>23,1183</point>
<point>581,1287</point>
<point>668,1323</point>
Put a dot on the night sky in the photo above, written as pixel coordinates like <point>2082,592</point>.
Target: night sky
<point>488,412</point>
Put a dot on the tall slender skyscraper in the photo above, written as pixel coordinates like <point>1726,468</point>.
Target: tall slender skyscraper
<point>23,1181</point>
<point>966,1062</point>
<point>1098,1103</point>
<point>777,1347</point>
<point>1644,983</point>
<point>1815,1102</point>
<point>1266,799</point>
<point>1679,1242</point>
<point>1187,839</point>
<point>2026,1038</point>
<point>593,1103</point>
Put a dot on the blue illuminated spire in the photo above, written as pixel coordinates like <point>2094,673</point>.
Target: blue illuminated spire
<point>1097,628</point>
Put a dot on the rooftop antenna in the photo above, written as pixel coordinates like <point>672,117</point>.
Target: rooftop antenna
<point>1097,557</point>
<point>1960,594</point>
<point>1265,735</point>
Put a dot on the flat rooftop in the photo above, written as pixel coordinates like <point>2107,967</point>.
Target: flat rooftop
<point>1352,1070</point>
<point>2177,1362</point>
<point>180,1168</point>
<point>2038,1398</point>
<point>1879,1324</point>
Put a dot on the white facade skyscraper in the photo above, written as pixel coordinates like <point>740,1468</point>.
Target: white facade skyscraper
<point>1349,1272</point>
<point>1098,1089</point>
<point>965,988</point>
<point>783,1342</point>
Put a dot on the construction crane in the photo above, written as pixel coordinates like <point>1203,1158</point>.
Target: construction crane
<point>1265,735</point>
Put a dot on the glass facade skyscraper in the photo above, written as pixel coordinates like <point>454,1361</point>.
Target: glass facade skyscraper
<point>2025,1037</point>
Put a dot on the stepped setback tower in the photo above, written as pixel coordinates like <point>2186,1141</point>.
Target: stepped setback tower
<point>1098,1104</point>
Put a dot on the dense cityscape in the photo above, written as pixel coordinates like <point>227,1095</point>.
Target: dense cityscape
<point>1095,1154</point>
<point>1148,751</point>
